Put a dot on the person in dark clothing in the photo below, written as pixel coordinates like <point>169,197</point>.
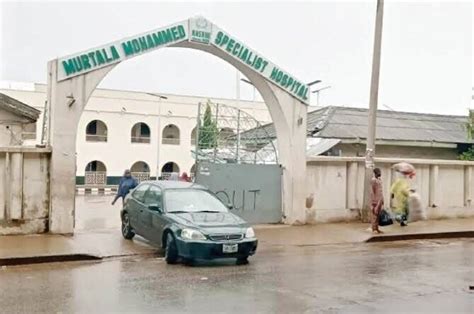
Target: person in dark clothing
<point>127,183</point>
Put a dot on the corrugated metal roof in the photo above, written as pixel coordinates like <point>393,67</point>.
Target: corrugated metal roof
<point>17,107</point>
<point>318,146</point>
<point>351,123</point>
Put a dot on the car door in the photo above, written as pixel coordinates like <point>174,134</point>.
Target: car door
<point>152,217</point>
<point>135,206</point>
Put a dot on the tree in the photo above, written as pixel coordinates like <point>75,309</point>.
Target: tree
<point>469,154</point>
<point>470,125</point>
<point>208,131</point>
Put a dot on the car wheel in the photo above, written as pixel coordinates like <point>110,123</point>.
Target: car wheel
<point>242,260</point>
<point>127,231</point>
<point>188,261</point>
<point>171,251</point>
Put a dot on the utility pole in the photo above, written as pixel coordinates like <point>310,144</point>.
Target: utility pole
<point>317,93</point>
<point>372,123</point>
<point>158,137</point>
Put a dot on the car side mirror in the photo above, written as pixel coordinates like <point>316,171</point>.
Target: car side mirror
<point>230,206</point>
<point>154,208</point>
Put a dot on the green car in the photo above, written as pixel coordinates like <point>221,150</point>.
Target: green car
<point>188,221</point>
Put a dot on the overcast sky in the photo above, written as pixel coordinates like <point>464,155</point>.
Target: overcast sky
<point>426,53</point>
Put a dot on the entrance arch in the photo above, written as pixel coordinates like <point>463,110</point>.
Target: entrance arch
<point>72,79</point>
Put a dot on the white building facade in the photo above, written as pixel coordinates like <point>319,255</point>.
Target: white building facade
<point>150,133</point>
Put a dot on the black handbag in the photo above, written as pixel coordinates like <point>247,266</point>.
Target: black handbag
<point>384,218</point>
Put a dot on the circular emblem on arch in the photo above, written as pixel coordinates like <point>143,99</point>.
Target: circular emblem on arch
<point>202,23</point>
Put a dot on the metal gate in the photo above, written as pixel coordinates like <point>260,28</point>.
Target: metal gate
<point>237,160</point>
<point>254,191</point>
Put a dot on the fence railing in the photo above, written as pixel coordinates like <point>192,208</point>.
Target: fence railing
<point>141,176</point>
<point>165,175</point>
<point>140,139</point>
<point>95,178</point>
<point>96,138</point>
<point>170,141</point>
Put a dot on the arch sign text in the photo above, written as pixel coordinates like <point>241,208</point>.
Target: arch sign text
<point>197,30</point>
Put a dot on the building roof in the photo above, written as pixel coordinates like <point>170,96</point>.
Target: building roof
<point>17,107</point>
<point>347,123</point>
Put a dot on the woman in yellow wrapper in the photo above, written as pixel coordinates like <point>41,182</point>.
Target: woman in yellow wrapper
<point>400,191</point>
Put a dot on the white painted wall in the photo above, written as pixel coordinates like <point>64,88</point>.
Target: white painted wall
<point>24,190</point>
<point>121,110</point>
<point>397,151</point>
<point>446,187</point>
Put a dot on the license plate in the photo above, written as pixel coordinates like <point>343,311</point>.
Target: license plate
<point>230,248</point>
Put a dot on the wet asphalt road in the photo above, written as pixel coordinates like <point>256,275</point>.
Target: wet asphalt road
<point>399,277</point>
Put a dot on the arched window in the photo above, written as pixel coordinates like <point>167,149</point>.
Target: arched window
<point>193,172</point>
<point>226,137</point>
<point>168,169</point>
<point>170,135</point>
<point>141,133</point>
<point>141,171</point>
<point>96,131</point>
<point>96,173</point>
<point>193,136</point>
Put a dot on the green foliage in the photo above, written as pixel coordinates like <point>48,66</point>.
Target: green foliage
<point>468,155</point>
<point>208,131</point>
<point>470,125</point>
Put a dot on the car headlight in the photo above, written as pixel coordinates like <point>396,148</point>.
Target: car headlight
<point>191,234</point>
<point>250,233</point>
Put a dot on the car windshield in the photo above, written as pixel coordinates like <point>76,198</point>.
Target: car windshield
<point>192,201</point>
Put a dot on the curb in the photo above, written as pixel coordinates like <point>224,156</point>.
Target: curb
<point>13,261</point>
<point>421,236</point>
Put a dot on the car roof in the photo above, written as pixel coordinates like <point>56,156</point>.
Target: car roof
<point>165,185</point>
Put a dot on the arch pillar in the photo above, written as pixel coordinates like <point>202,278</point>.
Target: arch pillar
<point>291,141</point>
<point>289,116</point>
<point>64,115</point>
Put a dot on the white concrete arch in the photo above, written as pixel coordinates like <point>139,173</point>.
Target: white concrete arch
<point>170,167</point>
<point>140,166</point>
<point>140,133</point>
<point>96,131</point>
<point>192,135</point>
<point>96,165</point>
<point>171,134</point>
<point>72,79</point>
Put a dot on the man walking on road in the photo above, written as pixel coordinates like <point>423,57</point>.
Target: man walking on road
<point>376,199</point>
<point>127,183</point>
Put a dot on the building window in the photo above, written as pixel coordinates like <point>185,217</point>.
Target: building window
<point>141,171</point>
<point>96,173</point>
<point>96,131</point>
<point>226,137</point>
<point>193,137</point>
<point>141,133</point>
<point>170,135</point>
<point>193,172</point>
<point>29,131</point>
<point>168,169</point>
